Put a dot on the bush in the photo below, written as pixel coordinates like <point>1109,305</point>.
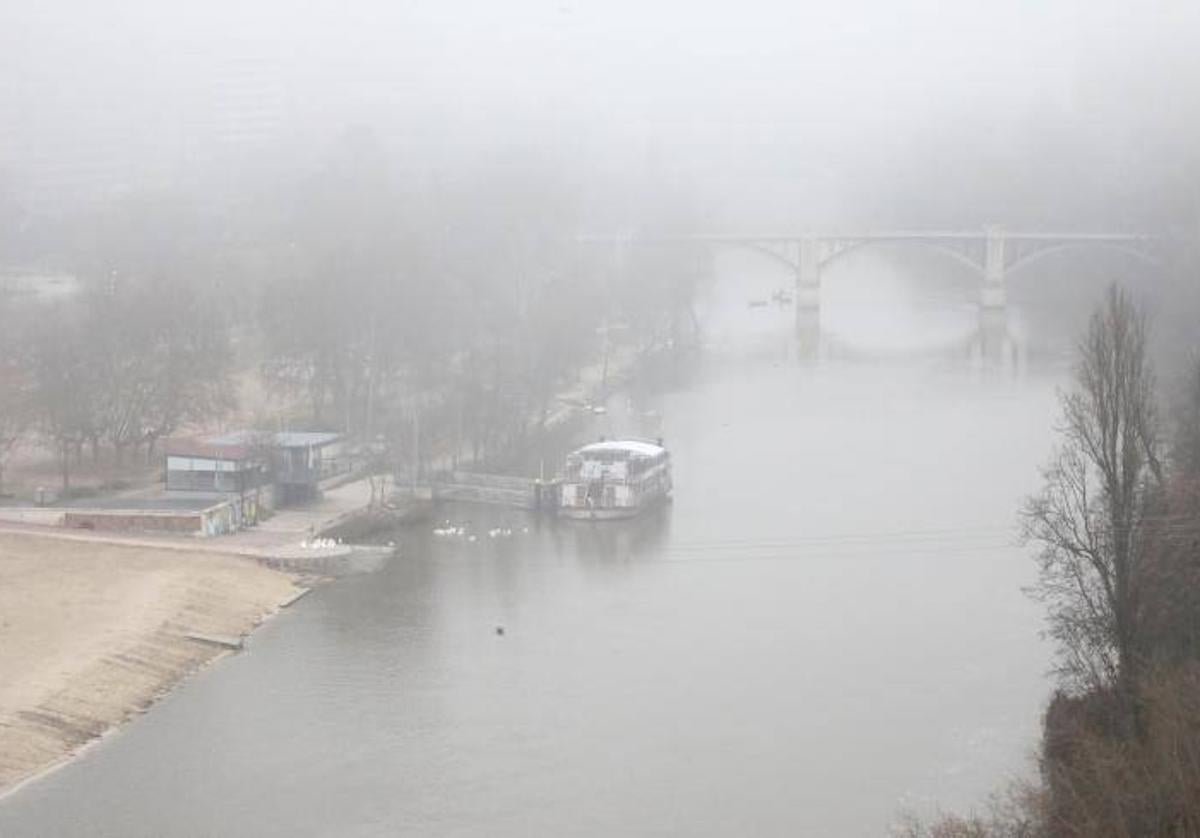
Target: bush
<point>1104,783</point>
<point>78,493</point>
<point>1017,813</point>
<point>115,485</point>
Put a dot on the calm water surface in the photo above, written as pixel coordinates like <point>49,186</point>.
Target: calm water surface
<point>825,627</point>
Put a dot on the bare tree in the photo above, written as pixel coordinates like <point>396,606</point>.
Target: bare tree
<point>1172,579</point>
<point>12,401</point>
<point>258,474</point>
<point>15,414</point>
<point>63,389</point>
<point>1093,518</point>
<point>1185,449</point>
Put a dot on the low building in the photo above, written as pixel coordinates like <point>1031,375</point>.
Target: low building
<point>287,466</point>
<point>222,464</point>
<point>302,459</point>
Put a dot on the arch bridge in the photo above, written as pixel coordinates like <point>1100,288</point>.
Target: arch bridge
<point>992,253</point>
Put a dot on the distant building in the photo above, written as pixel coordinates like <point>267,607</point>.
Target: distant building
<point>21,286</point>
<point>70,144</point>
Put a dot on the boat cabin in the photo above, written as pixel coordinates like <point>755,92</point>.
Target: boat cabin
<point>614,478</point>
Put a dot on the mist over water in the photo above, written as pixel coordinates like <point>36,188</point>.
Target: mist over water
<point>414,224</point>
<point>824,627</point>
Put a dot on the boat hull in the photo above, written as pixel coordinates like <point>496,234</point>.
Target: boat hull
<point>610,513</point>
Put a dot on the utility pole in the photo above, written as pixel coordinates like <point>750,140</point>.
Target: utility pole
<point>416,445</point>
<point>604,368</point>
<point>368,420</point>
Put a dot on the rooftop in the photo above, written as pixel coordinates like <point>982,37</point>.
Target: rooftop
<point>241,445</point>
<point>633,447</point>
<point>247,439</point>
<point>304,439</point>
<point>209,448</point>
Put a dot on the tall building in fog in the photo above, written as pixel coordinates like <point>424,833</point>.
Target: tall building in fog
<point>78,141</point>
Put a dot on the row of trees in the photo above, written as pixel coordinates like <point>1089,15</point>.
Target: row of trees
<point>449,313</point>
<point>122,365</point>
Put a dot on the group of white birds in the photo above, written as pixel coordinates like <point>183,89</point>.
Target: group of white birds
<point>448,530</point>
<point>321,544</point>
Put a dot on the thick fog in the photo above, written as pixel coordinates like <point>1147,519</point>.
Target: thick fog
<point>771,114</point>
<point>652,396</point>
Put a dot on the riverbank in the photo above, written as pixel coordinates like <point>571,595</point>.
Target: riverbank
<point>93,633</point>
<point>94,628</point>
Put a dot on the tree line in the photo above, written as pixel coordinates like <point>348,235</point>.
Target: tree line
<point>364,299</point>
<point>123,366</point>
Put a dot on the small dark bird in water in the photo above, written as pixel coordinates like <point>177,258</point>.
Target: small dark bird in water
<point>500,630</point>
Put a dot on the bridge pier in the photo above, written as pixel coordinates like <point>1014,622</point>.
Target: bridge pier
<point>808,332</point>
<point>995,343</point>
<point>993,295</point>
<point>808,296</point>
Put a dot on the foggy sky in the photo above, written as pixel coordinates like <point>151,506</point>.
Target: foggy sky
<point>762,106</point>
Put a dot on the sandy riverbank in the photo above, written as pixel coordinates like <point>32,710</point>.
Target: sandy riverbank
<point>91,633</point>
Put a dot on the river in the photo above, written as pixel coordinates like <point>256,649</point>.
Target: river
<point>824,628</point>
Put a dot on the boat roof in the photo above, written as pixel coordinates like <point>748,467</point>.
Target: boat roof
<point>636,447</point>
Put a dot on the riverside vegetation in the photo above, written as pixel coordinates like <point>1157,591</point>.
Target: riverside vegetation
<point>1117,533</point>
<point>349,297</point>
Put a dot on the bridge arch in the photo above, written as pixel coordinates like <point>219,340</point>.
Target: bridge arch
<point>788,261</point>
<point>1139,254</point>
<point>990,254</point>
<point>975,266</point>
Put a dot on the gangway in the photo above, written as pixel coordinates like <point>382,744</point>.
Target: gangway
<point>495,490</point>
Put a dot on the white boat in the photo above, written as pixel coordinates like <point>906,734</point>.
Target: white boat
<point>614,479</point>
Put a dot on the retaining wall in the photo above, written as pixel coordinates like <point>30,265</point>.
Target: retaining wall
<point>109,520</point>
<point>38,515</point>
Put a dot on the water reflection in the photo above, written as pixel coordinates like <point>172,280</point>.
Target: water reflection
<point>992,342</point>
<point>615,541</point>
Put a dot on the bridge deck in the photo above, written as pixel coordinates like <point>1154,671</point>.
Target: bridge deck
<point>878,235</point>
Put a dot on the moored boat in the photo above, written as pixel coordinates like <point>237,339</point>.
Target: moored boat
<point>614,479</point>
